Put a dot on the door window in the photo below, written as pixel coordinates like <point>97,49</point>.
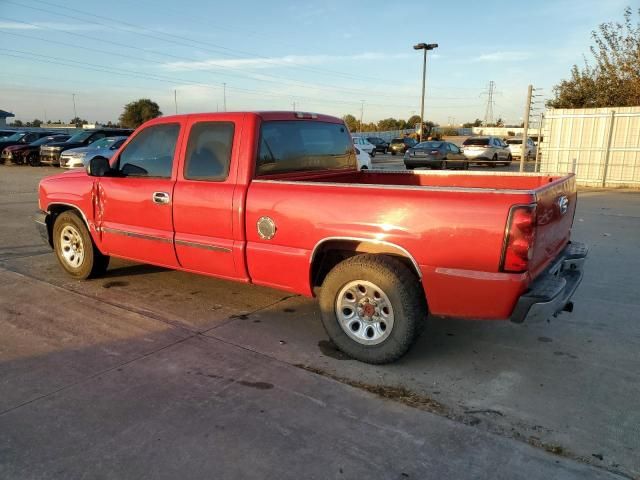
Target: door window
<point>209,151</point>
<point>150,153</point>
<point>454,148</point>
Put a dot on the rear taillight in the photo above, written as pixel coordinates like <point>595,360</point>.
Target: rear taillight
<point>520,237</point>
<point>434,152</point>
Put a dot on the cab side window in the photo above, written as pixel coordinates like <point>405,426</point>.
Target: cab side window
<point>150,153</point>
<point>209,151</point>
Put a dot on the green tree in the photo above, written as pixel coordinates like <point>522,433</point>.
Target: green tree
<point>613,76</point>
<point>36,123</point>
<point>476,123</point>
<point>17,123</point>
<point>78,122</point>
<point>138,112</point>
<point>352,123</point>
<point>388,124</point>
<point>413,121</point>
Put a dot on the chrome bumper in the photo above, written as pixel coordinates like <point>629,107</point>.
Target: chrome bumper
<point>551,292</point>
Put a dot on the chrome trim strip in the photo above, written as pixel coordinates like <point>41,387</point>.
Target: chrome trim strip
<point>401,187</point>
<point>135,235</point>
<point>368,240</point>
<point>204,246</point>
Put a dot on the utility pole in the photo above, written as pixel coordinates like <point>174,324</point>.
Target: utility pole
<point>75,114</point>
<point>224,97</point>
<point>426,47</point>
<point>361,113</point>
<point>488,113</point>
<point>538,153</point>
<point>175,99</point>
<point>527,111</point>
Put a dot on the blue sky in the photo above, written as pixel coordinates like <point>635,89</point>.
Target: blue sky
<point>327,56</point>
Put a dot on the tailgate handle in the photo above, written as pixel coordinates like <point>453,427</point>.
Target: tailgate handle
<point>161,197</point>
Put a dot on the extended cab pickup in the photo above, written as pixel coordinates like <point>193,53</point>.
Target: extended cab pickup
<point>276,199</point>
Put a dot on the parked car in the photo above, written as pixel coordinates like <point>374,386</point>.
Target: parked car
<point>401,145</point>
<point>364,160</point>
<point>6,133</point>
<point>20,154</point>
<point>435,154</point>
<point>22,138</point>
<point>490,151</point>
<point>78,157</point>
<point>381,145</point>
<point>282,218</point>
<point>515,147</point>
<point>50,154</point>
<point>364,145</point>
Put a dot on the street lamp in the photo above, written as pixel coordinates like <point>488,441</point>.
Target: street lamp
<point>426,47</point>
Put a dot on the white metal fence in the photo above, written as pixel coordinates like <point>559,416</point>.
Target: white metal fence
<point>601,145</point>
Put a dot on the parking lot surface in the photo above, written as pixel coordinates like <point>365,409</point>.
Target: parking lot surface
<point>154,373</point>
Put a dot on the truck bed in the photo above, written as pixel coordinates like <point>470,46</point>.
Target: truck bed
<point>521,182</point>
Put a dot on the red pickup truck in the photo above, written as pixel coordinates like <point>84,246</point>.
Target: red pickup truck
<point>276,199</point>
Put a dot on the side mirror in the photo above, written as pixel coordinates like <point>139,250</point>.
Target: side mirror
<point>98,167</point>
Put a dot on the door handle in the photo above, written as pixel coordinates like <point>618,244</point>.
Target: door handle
<point>161,197</point>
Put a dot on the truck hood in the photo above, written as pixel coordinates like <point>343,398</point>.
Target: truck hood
<point>8,144</point>
<point>16,148</point>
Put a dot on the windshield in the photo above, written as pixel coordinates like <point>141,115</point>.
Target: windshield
<point>79,137</point>
<point>476,141</point>
<point>514,142</point>
<point>15,137</point>
<point>43,140</point>
<point>426,145</point>
<point>397,140</point>
<point>103,142</point>
<point>297,146</point>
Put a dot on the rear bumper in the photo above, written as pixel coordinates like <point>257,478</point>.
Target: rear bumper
<point>551,292</point>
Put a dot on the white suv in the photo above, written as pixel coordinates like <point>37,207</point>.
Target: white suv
<point>515,146</point>
<point>487,150</point>
<point>364,145</point>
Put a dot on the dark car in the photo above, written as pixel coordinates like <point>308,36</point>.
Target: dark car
<point>435,154</point>
<point>6,133</point>
<point>381,145</point>
<point>401,145</point>
<point>22,138</point>
<point>20,154</point>
<point>50,154</point>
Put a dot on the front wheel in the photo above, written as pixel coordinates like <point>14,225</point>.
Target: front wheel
<point>465,165</point>
<point>373,153</point>
<point>75,249</point>
<point>393,152</point>
<point>373,307</point>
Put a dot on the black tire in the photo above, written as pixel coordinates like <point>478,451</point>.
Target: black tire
<point>407,167</point>
<point>443,165</point>
<point>33,160</point>
<point>393,152</point>
<point>373,153</point>
<point>364,167</point>
<point>93,263</point>
<point>494,161</point>
<point>405,295</point>
<point>465,165</point>
<point>385,151</point>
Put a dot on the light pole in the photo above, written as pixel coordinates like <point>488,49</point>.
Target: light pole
<point>426,47</point>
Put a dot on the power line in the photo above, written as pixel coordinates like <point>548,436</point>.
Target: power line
<point>129,73</point>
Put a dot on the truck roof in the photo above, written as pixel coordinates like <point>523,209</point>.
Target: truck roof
<point>264,115</point>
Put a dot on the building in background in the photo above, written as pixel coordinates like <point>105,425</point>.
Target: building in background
<point>3,117</point>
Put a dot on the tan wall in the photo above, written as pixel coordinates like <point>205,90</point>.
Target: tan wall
<point>603,143</point>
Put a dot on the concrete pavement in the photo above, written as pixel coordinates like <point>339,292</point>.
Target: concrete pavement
<point>570,386</point>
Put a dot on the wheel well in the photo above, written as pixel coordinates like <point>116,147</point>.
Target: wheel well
<point>328,254</point>
<point>54,211</point>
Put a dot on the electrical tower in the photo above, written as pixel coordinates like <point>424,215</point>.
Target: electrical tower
<point>488,113</point>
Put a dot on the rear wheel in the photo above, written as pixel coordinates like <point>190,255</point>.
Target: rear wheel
<point>373,307</point>
<point>373,153</point>
<point>75,249</point>
<point>443,165</point>
<point>494,161</point>
<point>465,165</point>
<point>393,152</point>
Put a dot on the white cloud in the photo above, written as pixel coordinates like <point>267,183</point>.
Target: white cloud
<point>503,56</point>
<point>272,62</point>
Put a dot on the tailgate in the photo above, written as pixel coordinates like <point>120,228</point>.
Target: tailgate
<point>556,205</point>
